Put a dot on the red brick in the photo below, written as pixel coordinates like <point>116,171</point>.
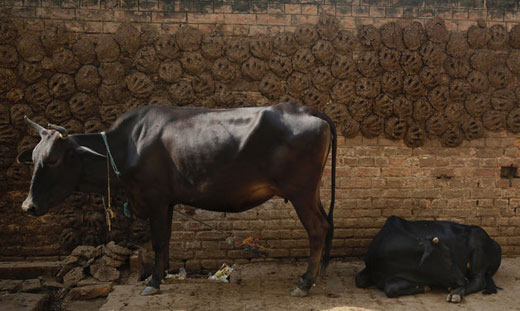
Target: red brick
<point>205,18</point>
<point>245,19</point>
<point>304,19</point>
<point>273,19</point>
<point>377,11</point>
<point>293,9</point>
<point>55,13</point>
<point>95,15</point>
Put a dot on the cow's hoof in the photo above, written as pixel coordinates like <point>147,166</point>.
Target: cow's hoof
<point>149,290</point>
<point>455,298</point>
<point>298,292</point>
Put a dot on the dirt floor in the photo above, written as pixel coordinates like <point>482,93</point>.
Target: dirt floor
<point>266,286</point>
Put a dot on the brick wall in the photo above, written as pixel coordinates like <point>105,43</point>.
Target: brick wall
<point>377,177</point>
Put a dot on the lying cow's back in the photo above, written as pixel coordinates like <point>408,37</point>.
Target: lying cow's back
<point>214,154</point>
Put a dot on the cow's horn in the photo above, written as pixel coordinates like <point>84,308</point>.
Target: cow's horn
<point>37,127</point>
<point>435,240</point>
<point>63,131</point>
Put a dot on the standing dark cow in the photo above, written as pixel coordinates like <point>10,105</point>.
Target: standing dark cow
<point>407,257</point>
<point>228,160</point>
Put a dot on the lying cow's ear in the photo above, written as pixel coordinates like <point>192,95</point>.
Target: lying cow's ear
<point>25,156</point>
<point>428,248</point>
<point>89,153</point>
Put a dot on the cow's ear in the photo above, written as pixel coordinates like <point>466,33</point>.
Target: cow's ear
<point>88,153</point>
<point>25,156</point>
<point>428,248</point>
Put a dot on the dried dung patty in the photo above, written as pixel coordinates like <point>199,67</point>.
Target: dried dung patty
<point>193,62</point>
<point>128,37</point>
<point>367,64</point>
<point>422,110</point>
<point>306,34</point>
<point>298,83</point>
<point>29,72</point>
<point>343,91</point>
<point>87,78</point>
<point>360,107</point>
<point>30,48</point>
<point>514,37</point>
<point>284,43</point>
<point>212,47</point>
<point>107,49</point>
<point>457,45</point>
<point>478,37</point>
<point>412,85</point>
<point>368,87</point>
<point>327,27</point>
<point>61,86</point>
<point>498,37</point>
<point>478,81</point>
<point>383,105</point>
<point>457,67</point>
<point>411,62</point>
<point>83,106</point>
<point>38,96</point>
<point>494,120</point>
<point>482,60</point>
<point>392,82</point>
<point>414,35</point>
<point>472,128</point>
<point>503,99</point>
<point>459,90</point>
<point>322,78</point>
<point>415,136</point>
<point>222,70</point>
<point>499,76</point>
<point>237,51</point>
<point>349,128</point>
<point>58,111</point>
<point>403,107</point>
<point>369,36</point>
<point>181,93</point>
<point>270,86</point>
<point>439,97</point>
<point>262,47</point>
<point>345,42</point>
<point>85,50</point>
<point>281,66</point>
<point>203,85</point>
<point>315,98</point>
<point>513,61</point>
<point>436,30</point>
<point>433,54</point>
<point>452,138</point>
<point>254,68</point>
<point>395,128</point>
<point>64,61</point>
<point>303,60</point>
<point>336,111</point>
<point>389,59</point>
<point>189,38</point>
<point>513,120</point>
<point>139,84</point>
<point>477,104</point>
<point>372,126</point>
<point>436,125</point>
<point>392,35</point>
<point>323,51</point>
<point>9,56</point>
<point>146,60</point>
<point>343,67</point>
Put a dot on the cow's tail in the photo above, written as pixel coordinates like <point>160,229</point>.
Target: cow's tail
<point>330,216</point>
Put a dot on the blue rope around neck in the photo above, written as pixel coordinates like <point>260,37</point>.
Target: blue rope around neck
<point>116,171</point>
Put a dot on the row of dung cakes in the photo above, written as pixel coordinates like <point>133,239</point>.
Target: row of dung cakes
<point>406,80</point>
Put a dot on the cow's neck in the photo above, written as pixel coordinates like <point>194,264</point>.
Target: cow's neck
<point>94,178</point>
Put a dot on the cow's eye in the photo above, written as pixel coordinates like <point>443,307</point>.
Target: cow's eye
<point>51,162</point>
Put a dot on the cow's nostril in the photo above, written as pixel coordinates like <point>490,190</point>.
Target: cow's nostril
<point>30,208</point>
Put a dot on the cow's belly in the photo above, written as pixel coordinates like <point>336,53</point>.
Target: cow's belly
<point>233,199</point>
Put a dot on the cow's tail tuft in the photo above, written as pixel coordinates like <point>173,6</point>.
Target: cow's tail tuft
<point>330,216</point>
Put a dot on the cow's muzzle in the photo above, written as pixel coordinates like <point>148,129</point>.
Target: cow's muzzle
<point>31,208</point>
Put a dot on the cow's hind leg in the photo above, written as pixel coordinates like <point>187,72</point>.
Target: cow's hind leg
<point>317,226</point>
<point>399,287</point>
<point>160,225</point>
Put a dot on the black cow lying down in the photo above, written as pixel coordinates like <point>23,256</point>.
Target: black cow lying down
<point>227,160</point>
<point>409,257</point>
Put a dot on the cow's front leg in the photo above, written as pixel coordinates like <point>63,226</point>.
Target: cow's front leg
<point>161,225</point>
<point>475,284</point>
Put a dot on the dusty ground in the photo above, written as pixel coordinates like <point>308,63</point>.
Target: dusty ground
<point>266,286</point>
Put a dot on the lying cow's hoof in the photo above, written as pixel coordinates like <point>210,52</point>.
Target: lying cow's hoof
<point>455,298</point>
<point>149,290</point>
<point>298,292</point>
